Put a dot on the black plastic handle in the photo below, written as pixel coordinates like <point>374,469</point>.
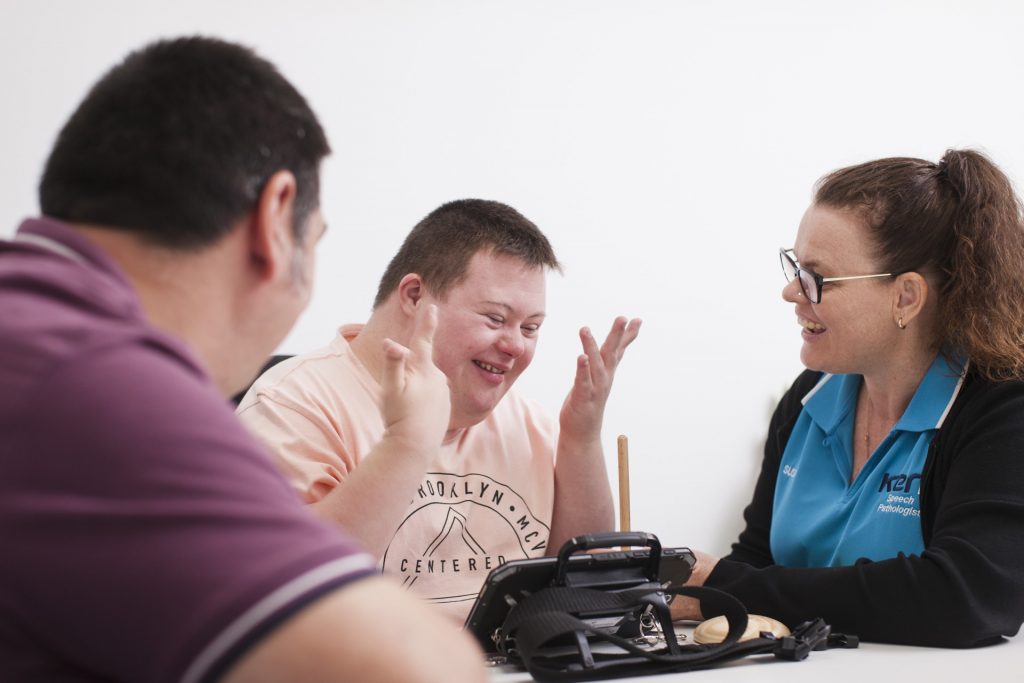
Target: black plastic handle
<point>608,539</point>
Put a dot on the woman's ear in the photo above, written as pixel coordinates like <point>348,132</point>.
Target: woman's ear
<point>909,298</point>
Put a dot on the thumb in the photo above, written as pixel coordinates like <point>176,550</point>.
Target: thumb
<point>393,379</point>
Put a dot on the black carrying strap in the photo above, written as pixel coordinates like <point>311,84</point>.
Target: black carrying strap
<point>537,625</point>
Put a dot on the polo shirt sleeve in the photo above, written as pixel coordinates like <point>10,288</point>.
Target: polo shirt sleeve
<point>154,539</point>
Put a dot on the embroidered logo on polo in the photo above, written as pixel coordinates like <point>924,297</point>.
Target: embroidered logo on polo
<point>901,494</point>
<point>461,526</point>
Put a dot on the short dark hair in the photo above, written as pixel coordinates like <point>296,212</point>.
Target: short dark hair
<point>960,221</point>
<point>176,143</point>
<point>441,245</point>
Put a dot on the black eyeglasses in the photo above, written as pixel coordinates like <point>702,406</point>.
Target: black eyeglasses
<point>811,282</point>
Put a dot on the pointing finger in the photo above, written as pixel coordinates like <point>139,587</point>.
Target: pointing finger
<point>589,343</point>
<point>631,333</point>
<point>621,335</point>
<point>422,341</point>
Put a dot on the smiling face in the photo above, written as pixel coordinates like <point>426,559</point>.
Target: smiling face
<point>851,330</point>
<point>487,328</point>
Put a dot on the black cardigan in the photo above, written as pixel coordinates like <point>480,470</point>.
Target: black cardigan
<point>965,589</point>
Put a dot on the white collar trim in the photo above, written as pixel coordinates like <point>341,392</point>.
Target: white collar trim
<point>50,245</point>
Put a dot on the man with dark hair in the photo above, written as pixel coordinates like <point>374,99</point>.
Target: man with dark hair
<point>508,482</point>
<point>146,535</point>
<point>179,164</point>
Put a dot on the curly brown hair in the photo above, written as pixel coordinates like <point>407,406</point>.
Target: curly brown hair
<point>960,221</point>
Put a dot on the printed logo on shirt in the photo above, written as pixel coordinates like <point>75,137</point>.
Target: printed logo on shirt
<point>899,482</point>
<point>901,494</point>
<point>461,526</point>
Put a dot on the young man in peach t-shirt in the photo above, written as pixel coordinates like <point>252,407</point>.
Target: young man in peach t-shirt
<point>507,482</point>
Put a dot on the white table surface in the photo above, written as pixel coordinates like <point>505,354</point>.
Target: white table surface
<point>870,663</point>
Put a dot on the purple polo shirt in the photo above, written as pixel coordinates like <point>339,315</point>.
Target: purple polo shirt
<point>144,535</point>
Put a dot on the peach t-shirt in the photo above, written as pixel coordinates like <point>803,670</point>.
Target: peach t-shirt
<point>487,498</point>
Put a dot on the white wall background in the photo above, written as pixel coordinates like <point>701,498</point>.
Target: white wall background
<point>666,148</point>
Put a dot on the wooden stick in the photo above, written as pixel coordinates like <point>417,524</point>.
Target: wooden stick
<point>623,483</point>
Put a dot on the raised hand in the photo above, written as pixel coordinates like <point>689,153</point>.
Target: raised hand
<point>416,402</point>
<point>583,410</point>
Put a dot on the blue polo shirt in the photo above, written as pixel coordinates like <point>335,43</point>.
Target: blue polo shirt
<point>819,518</point>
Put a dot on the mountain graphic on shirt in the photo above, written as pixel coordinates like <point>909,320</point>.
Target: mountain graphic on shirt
<point>454,523</point>
<point>458,529</point>
<point>454,540</point>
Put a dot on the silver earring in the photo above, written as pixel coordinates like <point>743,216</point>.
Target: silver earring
<point>899,323</point>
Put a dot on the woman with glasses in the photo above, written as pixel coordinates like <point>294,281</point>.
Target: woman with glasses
<point>891,496</point>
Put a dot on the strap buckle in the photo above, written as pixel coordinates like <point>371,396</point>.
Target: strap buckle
<point>812,635</point>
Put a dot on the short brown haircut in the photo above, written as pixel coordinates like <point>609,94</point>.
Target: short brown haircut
<point>176,143</point>
<point>960,221</point>
<point>441,245</point>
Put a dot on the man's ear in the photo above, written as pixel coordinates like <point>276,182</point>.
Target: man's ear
<point>410,291</point>
<point>272,240</point>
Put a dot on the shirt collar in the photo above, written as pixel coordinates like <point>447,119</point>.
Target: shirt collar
<point>60,238</point>
<point>55,237</point>
<point>835,397</point>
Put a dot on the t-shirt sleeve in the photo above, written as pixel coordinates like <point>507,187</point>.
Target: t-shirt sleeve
<point>304,443</point>
<point>154,538</point>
